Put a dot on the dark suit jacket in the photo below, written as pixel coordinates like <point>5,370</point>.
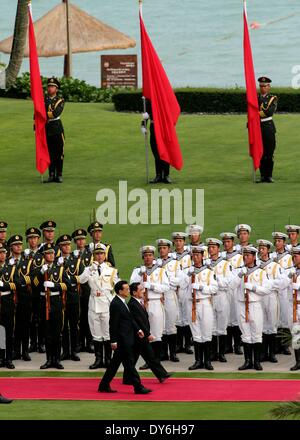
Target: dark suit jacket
<point>122,326</point>
<point>140,316</point>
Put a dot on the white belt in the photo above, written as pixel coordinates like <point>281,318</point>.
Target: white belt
<point>51,293</point>
<point>266,119</point>
<point>155,299</point>
<point>5,293</point>
<point>54,119</point>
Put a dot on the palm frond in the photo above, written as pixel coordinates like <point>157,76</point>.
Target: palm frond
<point>285,410</point>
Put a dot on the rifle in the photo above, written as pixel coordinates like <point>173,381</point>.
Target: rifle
<point>47,297</point>
<point>246,293</point>
<point>146,299</point>
<point>194,300</point>
<point>295,293</point>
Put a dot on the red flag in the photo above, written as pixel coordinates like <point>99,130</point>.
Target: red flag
<point>40,118</point>
<point>165,107</point>
<point>254,129</point>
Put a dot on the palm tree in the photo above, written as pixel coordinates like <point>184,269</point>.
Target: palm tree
<point>285,410</point>
<point>19,40</point>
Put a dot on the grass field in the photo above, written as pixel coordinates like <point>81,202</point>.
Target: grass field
<point>104,147</point>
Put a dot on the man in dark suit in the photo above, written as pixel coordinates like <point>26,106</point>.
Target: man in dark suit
<point>143,345</point>
<point>122,329</point>
<point>5,399</point>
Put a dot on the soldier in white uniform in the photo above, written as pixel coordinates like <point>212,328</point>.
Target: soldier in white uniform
<point>235,259</point>
<point>294,305</point>
<point>284,259</point>
<point>202,285</point>
<point>252,283</point>
<point>174,274</point>
<point>243,232</point>
<point>101,278</point>
<point>182,255</point>
<point>293,233</point>
<point>156,284</point>
<point>195,232</point>
<point>270,303</point>
<point>221,303</point>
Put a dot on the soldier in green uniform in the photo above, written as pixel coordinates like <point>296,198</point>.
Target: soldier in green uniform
<point>7,307</point>
<point>71,301</point>
<point>83,255</point>
<point>54,131</point>
<point>3,232</point>
<point>95,230</point>
<point>267,108</point>
<point>48,230</point>
<point>52,281</point>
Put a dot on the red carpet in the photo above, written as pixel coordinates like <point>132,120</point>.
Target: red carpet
<point>180,390</point>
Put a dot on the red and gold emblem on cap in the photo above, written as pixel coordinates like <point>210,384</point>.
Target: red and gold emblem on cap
<point>32,230</point>
<point>50,223</point>
<point>80,231</point>
<point>17,237</point>
<point>65,237</point>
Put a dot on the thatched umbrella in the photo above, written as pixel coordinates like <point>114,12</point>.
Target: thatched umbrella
<point>87,34</point>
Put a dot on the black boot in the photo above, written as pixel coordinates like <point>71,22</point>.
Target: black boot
<point>157,179</point>
<point>157,349</point>
<point>48,363</point>
<point>264,354</point>
<point>229,336</point>
<point>9,364</point>
<point>172,347</point>
<point>222,345</point>
<point>179,337</point>
<point>56,363</point>
<point>214,349</point>
<point>25,356</point>
<point>207,363</point>
<point>187,339</point>
<point>257,350</point>
<point>237,340</point>
<point>198,364</point>
<point>248,364</point>
<point>272,357</point>
<point>99,356</point>
<point>297,364</point>
<point>107,353</point>
<point>164,347</point>
<point>2,358</point>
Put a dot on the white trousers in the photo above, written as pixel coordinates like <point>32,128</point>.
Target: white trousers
<point>99,325</point>
<point>156,318</point>
<point>202,328</point>
<point>171,313</point>
<point>271,313</point>
<point>183,308</point>
<point>252,330</point>
<point>221,308</point>
<point>284,308</point>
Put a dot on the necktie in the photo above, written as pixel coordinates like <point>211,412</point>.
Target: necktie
<point>99,270</point>
<point>143,305</point>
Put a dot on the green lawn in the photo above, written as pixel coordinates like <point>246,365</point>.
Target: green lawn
<point>103,147</point>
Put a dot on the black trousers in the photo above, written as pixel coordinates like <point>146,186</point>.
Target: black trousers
<point>124,355</point>
<point>53,326</point>
<point>85,335</point>
<point>22,325</point>
<point>162,168</point>
<point>37,326</point>
<point>269,143</point>
<point>145,350</point>
<point>70,330</point>
<point>7,312</point>
<point>56,152</point>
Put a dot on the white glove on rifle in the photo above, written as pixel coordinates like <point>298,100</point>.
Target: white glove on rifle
<point>147,285</point>
<point>60,261</point>
<point>142,270</point>
<point>76,253</point>
<point>242,272</point>
<point>27,252</point>
<point>250,286</point>
<point>292,272</point>
<point>91,246</point>
<point>196,286</point>
<point>1,284</point>
<point>159,262</point>
<point>191,270</point>
<point>144,130</point>
<point>44,268</point>
<point>174,281</point>
<point>48,284</point>
<point>296,286</point>
<point>145,116</point>
<point>11,261</point>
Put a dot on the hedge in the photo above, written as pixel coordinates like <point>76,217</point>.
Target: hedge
<point>209,100</point>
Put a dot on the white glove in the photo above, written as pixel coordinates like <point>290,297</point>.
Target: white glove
<point>27,252</point>
<point>142,270</point>
<point>76,253</point>
<point>250,286</point>
<point>44,268</point>
<point>296,286</point>
<point>292,272</point>
<point>48,284</point>
<point>174,282</point>
<point>145,116</point>
<point>196,286</point>
<point>1,284</point>
<point>243,272</point>
<point>207,262</point>
<point>11,261</point>
<point>191,270</point>
<point>93,267</point>
<point>147,285</point>
<point>159,262</point>
<point>221,283</point>
<point>60,261</point>
<point>144,130</point>
<point>91,246</point>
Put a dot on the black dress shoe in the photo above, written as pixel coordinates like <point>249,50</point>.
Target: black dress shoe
<point>47,364</point>
<point>90,348</point>
<point>42,349</point>
<point>164,378</point>
<point>157,179</point>
<point>50,179</point>
<point>32,348</point>
<point>142,390</point>
<point>59,179</point>
<point>74,357</point>
<point>58,365</point>
<point>174,358</point>
<point>144,367</point>
<point>286,351</point>
<point>10,365</point>
<point>4,399</point>
<point>16,356</point>
<point>188,350</point>
<point>65,357</point>
<point>269,180</point>
<point>26,357</point>
<point>167,179</point>
<point>222,358</point>
<point>106,390</point>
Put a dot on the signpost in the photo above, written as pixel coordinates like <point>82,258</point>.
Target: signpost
<point>119,71</point>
